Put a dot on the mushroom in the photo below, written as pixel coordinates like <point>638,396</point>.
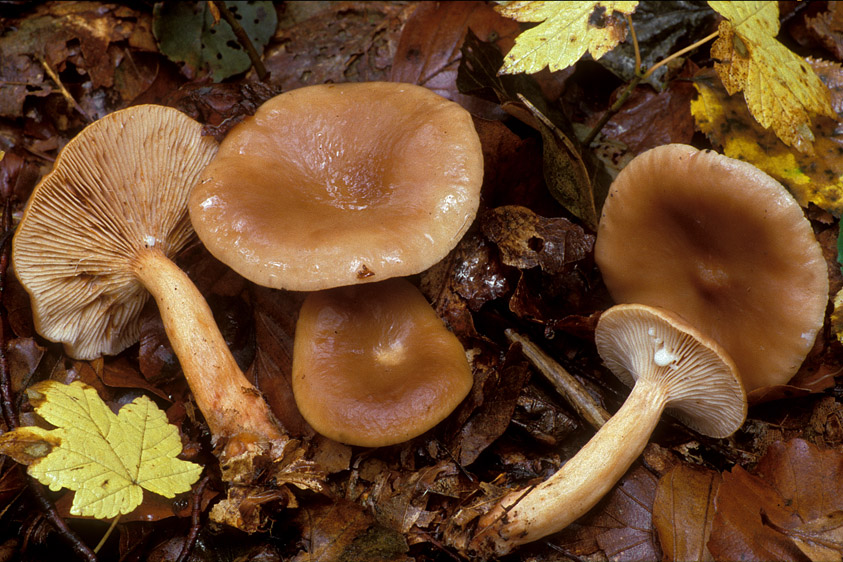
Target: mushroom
<point>373,364</point>
<point>339,184</point>
<point>99,231</point>
<point>723,245</point>
<point>672,366</point>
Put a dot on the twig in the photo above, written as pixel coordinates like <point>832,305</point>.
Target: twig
<point>7,402</point>
<point>67,95</point>
<point>9,413</point>
<point>65,532</point>
<point>244,40</point>
<point>195,521</point>
<point>634,82</point>
<point>569,387</point>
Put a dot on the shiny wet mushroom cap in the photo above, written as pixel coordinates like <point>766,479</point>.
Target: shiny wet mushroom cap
<point>340,184</point>
<point>373,364</point>
<point>723,245</point>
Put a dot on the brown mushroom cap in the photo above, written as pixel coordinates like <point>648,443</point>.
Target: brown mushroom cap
<point>340,184</point>
<point>118,187</point>
<point>373,364</point>
<point>723,245</point>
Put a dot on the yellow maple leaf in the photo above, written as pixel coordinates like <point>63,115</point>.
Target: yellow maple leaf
<point>567,31</point>
<point>816,178</point>
<point>780,88</point>
<point>106,459</point>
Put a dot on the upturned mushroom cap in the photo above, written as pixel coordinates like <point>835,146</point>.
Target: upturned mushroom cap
<point>339,184</point>
<point>702,384</point>
<point>118,187</point>
<point>672,366</point>
<point>373,364</point>
<point>723,245</point>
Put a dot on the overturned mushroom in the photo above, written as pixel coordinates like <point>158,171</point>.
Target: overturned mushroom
<point>99,231</point>
<point>672,366</point>
<point>373,364</point>
<point>723,245</point>
<point>340,184</point>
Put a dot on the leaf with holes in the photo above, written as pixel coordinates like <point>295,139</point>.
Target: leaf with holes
<point>567,30</point>
<point>188,33</point>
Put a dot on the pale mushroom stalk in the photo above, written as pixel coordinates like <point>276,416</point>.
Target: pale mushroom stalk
<point>100,230</point>
<point>674,367</point>
<point>584,479</point>
<point>230,404</point>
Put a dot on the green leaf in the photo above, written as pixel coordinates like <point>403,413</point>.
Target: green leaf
<point>186,33</point>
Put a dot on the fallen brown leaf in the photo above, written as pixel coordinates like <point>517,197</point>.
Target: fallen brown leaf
<point>683,512</point>
<point>743,503</point>
<point>341,530</point>
<point>428,51</point>
<point>621,526</point>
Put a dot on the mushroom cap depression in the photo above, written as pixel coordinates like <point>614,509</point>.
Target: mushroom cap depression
<point>725,246</point>
<point>340,184</point>
<point>373,364</point>
<point>646,345</point>
<point>119,186</point>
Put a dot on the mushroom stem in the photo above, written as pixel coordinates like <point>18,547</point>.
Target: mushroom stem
<point>232,406</point>
<point>554,504</point>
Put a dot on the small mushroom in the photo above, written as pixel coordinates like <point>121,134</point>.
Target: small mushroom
<point>723,245</point>
<point>99,231</point>
<point>672,366</point>
<point>373,364</point>
<point>340,184</point>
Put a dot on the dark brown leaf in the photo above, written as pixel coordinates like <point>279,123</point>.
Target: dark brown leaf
<point>23,356</point>
<point>81,33</point>
<point>527,240</point>
<point>739,531</point>
<point>340,42</point>
<point>621,526</point>
<point>635,126</point>
<point>492,400</point>
<point>428,52</point>
<point>276,313</point>
<point>827,27</point>
<point>809,479</point>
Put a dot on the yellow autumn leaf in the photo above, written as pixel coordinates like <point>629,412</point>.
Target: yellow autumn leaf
<point>816,178</point>
<point>780,88</point>
<point>106,459</point>
<point>567,31</point>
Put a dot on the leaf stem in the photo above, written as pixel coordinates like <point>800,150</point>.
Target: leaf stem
<point>107,533</point>
<point>634,44</point>
<point>679,53</point>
